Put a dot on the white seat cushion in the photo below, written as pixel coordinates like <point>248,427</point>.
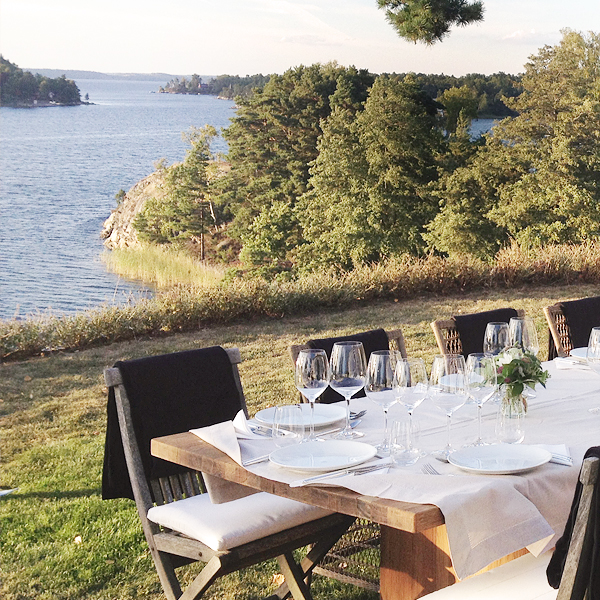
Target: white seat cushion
<point>521,579</point>
<point>225,526</point>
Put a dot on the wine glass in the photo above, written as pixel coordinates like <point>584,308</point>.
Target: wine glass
<point>312,377</point>
<point>448,391</point>
<point>593,355</point>
<point>410,385</point>
<point>482,383</point>
<point>523,334</point>
<point>495,338</point>
<point>379,387</point>
<point>348,370</point>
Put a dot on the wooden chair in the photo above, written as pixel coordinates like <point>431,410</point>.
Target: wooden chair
<point>181,524</point>
<point>448,337</point>
<point>525,578</point>
<point>559,329</point>
<point>355,557</point>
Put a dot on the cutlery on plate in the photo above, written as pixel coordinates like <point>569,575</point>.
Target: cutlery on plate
<point>330,431</point>
<point>357,415</point>
<point>254,461</point>
<point>360,470</point>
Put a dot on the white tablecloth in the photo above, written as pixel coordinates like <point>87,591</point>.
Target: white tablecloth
<point>487,517</point>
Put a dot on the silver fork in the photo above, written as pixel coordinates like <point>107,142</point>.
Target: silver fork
<point>429,469</point>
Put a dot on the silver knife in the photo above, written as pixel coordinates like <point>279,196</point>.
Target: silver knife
<point>360,470</point>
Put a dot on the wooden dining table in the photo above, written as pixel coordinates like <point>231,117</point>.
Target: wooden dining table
<point>415,551</point>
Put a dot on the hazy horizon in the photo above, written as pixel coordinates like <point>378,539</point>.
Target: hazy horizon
<point>243,37</point>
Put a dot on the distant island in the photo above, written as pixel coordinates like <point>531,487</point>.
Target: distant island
<point>487,91</point>
<point>23,89</point>
<point>223,86</point>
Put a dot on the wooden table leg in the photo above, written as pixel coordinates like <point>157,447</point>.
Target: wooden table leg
<point>414,564</point>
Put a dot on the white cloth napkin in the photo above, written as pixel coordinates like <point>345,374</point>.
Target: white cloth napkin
<point>223,437</point>
<point>561,454</point>
<point>242,429</point>
<point>566,362</point>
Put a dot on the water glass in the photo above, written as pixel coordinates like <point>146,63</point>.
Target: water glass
<point>403,437</point>
<point>288,425</point>
<point>312,377</point>
<point>379,387</point>
<point>348,372</point>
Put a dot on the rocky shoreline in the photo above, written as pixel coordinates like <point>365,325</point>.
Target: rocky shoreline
<point>118,230</point>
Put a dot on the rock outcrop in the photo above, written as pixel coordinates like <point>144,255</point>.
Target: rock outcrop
<point>118,230</point>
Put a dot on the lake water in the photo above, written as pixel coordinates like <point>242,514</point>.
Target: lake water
<point>60,169</point>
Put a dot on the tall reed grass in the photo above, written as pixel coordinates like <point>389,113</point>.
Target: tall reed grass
<point>185,307</point>
<point>162,267</point>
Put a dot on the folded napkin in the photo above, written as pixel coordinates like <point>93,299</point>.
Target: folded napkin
<point>570,363</point>
<point>242,428</point>
<point>223,437</point>
<point>560,453</point>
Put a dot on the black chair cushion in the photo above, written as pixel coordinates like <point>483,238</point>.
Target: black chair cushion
<point>471,328</point>
<point>168,394</point>
<point>375,339</point>
<point>581,316</point>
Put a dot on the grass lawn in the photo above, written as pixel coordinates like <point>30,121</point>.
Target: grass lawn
<point>59,540</point>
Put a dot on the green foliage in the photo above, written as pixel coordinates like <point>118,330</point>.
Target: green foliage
<point>536,179</point>
<point>273,140</point>
<point>181,215</point>
<point>22,88</point>
<point>366,200</point>
<point>429,21</point>
<point>460,104</point>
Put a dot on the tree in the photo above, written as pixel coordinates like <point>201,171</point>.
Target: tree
<point>459,103</point>
<point>537,179</point>
<point>367,197</point>
<point>429,21</point>
<point>272,142</point>
<point>182,216</point>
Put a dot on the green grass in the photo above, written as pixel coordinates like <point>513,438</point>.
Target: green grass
<point>162,267</point>
<point>59,540</point>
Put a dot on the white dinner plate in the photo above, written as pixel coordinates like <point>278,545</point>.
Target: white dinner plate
<point>326,455</point>
<point>579,353</point>
<point>499,459</point>
<point>325,414</point>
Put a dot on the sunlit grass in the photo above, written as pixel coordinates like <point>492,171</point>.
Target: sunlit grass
<point>162,267</point>
<point>59,540</point>
<point>188,307</point>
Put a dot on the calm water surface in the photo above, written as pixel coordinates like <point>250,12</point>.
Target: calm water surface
<point>60,169</point>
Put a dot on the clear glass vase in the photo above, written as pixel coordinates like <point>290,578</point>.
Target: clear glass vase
<point>510,420</point>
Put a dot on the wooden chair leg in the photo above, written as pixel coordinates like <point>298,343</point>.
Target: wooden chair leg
<point>211,571</point>
<point>294,577</point>
<point>314,556</point>
<point>166,574</point>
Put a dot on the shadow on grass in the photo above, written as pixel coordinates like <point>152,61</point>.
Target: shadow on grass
<point>55,494</point>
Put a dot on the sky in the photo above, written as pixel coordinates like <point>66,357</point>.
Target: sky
<point>243,37</point>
